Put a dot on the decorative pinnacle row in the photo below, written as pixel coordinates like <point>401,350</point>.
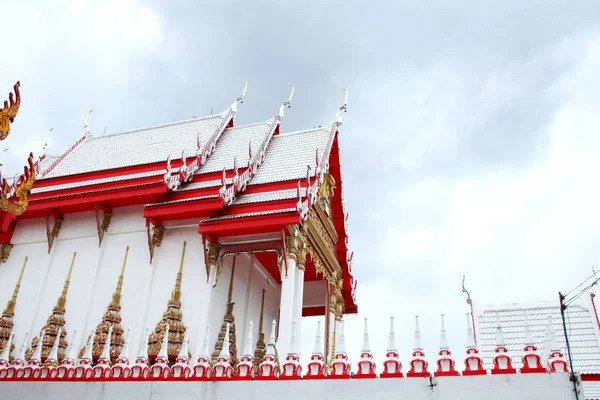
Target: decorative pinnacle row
<point>172,318</point>
<point>55,324</point>
<point>6,321</point>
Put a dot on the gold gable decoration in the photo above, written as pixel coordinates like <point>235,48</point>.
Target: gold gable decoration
<point>172,317</point>
<point>9,112</point>
<point>14,198</point>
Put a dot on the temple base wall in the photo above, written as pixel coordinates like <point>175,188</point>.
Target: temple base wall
<point>498,387</point>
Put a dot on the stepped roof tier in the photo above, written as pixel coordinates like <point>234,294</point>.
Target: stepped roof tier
<point>234,181</point>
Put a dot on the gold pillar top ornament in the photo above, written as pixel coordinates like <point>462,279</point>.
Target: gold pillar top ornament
<point>228,321</point>
<point>9,112</point>
<point>173,318</point>
<point>55,324</point>
<point>6,320</point>
<point>111,320</point>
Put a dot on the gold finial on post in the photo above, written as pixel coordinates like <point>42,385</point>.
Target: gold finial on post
<point>259,353</point>
<point>173,318</point>
<point>6,320</point>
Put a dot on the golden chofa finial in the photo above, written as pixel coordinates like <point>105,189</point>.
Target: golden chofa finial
<point>6,320</point>
<point>9,111</point>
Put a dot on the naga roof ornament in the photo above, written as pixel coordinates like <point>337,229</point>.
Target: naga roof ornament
<point>14,198</point>
<point>9,111</point>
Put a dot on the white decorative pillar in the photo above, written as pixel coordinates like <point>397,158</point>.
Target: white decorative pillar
<point>299,298</point>
<point>286,306</point>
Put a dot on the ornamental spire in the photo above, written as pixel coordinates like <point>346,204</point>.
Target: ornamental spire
<point>5,355</point>
<point>111,320</point>
<point>173,318</point>
<point>86,126</point>
<point>6,320</point>
<point>124,354</point>
<point>271,345</point>
<point>392,338</point>
<point>55,323</point>
<point>228,325</point>
<point>248,345</point>
<point>444,337</point>
<point>225,350</point>
<point>71,350</point>
<point>240,100</point>
<point>470,337</point>
<point>366,347</point>
<point>528,337</point>
<point>417,335</point>
<point>259,353</point>
<point>36,358</point>
<point>52,359</point>
<point>184,352</point>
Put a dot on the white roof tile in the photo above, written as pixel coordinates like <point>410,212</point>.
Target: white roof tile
<point>585,347</point>
<point>269,196</point>
<point>205,184</point>
<point>97,181</point>
<point>142,146</point>
<point>591,390</point>
<point>234,143</point>
<point>289,154</point>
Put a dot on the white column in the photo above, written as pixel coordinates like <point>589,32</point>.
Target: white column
<point>298,300</point>
<point>286,308</point>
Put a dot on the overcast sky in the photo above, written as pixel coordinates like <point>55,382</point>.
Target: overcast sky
<point>470,145</point>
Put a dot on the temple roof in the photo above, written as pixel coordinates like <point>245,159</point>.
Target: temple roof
<point>290,154</point>
<point>137,147</point>
<point>584,334</point>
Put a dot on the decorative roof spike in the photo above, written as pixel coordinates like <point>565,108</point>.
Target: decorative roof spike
<point>72,350</point>
<point>366,347</point>
<point>52,359</point>
<point>287,103</point>
<point>9,112</point>
<point>444,338</point>
<point>551,335</point>
<point>271,345</point>
<point>143,351</point>
<point>87,355</point>
<point>240,100</point>
<point>6,320</point>
<point>5,356</point>
<point>225,350</point>
<point>86,125</point>
<point>293,344</point>
<point>344,107</point>
<point>106,351</point>
<point>417,334</point>
<point>470,337</point>
<point>248,345</point>
<point>112,320</point>
<point>21,355</point>
<point>249,152</point>
<point>392,338</point>
<point>56,321</point>
<point>165,344</point>
<point>37,354</point>
<point>528,337</point>
<point>318,349</point>
<point>125,349</point>
<point>172,317</point>
<point>204,348</point>
<point>183,161</point>
<point>184,352</point>
<point>341,345</point>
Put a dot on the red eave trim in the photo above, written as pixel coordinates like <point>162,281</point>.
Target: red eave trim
<point>87,201</point>
<point>248,225</point>
<point>590,377</point>
<point>97,187</point>
<point>184,210</point>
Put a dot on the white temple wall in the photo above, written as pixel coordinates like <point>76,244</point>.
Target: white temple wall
<point>490,387</point>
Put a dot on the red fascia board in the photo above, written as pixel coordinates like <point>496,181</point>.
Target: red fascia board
<point>87,201</point>
<point>313,311</point>
<point>248,225</point>
<point>98,187</point>
<point>260,207</point>
<point>184,210</point>
<point>590,377</point>
<point>7,226</point>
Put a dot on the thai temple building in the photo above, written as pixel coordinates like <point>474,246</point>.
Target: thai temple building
<point>179,260</point>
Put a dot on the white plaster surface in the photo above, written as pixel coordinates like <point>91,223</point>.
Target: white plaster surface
<point>499,387</point>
